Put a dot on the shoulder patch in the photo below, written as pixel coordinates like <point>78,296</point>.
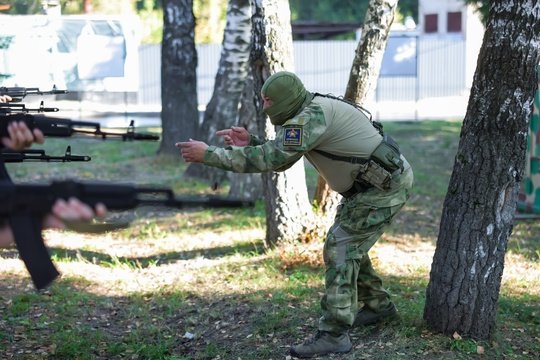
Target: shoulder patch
<point>292,136</point>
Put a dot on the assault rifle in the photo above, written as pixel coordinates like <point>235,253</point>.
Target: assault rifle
<point>18,93</point>
<point>9,108</point>
<point>59,127</point>
<point>19,200</point>
<point>11,156</point>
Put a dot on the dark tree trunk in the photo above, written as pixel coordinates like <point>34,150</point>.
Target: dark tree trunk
<point>179,114</point>
<point>479,208</point>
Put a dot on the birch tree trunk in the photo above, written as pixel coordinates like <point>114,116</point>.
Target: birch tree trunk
<point>286,199</point>
<point>179,114</point>
<point>480,204</point>
<point>222,110</point>
<point>246,186</point>
<point>362,82</point>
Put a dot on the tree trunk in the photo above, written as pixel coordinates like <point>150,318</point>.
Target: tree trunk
<point>362,82</point>
<point>179,114</point>
<point>286,198</point>
<point>369,53</point>
<point>479,207</point>
<point>246,186</point>
<point>222,110</point>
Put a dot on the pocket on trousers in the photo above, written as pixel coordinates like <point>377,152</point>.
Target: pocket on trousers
<point>382,215</point>
<point>339,301</point>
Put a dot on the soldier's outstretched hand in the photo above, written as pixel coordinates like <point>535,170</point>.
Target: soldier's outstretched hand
<point>192,150</point>
<point>237,136</point>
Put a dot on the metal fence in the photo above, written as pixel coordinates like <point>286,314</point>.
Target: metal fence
<point>436,88</point>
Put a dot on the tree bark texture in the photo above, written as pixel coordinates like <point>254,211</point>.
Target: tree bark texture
<point>369,53</point>
<point>246,186</point>
<point>222,110</point>
<point>479,207</point>
<point>362,82</point>
<point>286,198</point>
<point>179,114</point>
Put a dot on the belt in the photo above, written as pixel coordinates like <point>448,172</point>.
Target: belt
<point>355,189</point>
<point>361,186</point>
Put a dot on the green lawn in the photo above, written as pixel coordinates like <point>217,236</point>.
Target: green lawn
<point>200,285</point>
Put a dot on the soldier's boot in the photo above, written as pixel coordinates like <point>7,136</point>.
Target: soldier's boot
<point>366,316</point>
<point>321,344</point>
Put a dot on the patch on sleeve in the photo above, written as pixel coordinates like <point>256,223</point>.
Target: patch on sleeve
<point>292,136</point>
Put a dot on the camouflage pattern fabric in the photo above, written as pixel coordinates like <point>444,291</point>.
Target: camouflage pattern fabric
<point>333,126</point>
<point>272,155</point>
<point>324,124</point>
<point>350,280</point>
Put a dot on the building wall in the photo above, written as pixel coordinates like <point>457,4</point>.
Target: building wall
<point>439,89</point>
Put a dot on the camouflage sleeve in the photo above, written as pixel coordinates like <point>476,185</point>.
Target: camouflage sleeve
<point>296,137</point>
<point>255,140</point>
<point>251,159</point>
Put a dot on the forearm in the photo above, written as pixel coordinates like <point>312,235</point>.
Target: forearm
<point>255,140</point>
<point>250,159</point>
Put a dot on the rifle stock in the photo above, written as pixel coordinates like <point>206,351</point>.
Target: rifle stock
<point>22,202</point>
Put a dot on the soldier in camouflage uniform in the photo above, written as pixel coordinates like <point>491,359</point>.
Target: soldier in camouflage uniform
<point>356,160</point>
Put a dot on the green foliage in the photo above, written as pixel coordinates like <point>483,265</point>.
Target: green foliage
<point>328,11</point>
<point>339,11</point>
<point>24,7</point>
<point>342,11</point>
<point>151,16</point>
<point>482,7</point>
<point>148,5</point>
<point>68,7</point>
<point>72,7</point>
<point>408,8</point>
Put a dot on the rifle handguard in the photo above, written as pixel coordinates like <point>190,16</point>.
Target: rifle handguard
<point>60,127</point>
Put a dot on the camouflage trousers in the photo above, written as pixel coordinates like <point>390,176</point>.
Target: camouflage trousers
<point>350,280</point>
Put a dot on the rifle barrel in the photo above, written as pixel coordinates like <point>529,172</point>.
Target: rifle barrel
<point>18,93</point>
<point>60,127</point>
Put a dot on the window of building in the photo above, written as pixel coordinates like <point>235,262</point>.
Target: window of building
<point>454,22</point>
<point>431,23</point>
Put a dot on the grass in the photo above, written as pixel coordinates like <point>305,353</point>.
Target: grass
<point>199,284</point>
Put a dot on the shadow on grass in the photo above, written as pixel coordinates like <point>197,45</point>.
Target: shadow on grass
<point>99,258</point>
<point>203,323</point>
